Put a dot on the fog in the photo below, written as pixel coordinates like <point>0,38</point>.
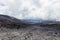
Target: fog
<point>31,9</point>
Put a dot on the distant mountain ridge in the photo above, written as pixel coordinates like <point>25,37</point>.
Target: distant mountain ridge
<point>11,22</point>
<point>32,21</point>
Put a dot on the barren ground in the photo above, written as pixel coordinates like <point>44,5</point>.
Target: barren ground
<point>30,33</point>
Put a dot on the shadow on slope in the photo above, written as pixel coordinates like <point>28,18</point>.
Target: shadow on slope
<point>11,22</point>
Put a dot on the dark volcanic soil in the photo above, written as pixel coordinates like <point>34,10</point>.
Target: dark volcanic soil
<point>14,29</point>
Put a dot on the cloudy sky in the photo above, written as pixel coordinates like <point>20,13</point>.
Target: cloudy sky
<point>31,9</point>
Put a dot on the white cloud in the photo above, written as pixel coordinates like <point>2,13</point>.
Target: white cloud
<point>45,9</point>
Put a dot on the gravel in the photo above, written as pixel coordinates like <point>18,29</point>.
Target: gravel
<point>29,33</point>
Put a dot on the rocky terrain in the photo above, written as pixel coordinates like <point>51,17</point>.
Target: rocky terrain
<point>29,33</point>
<point>14,29</point>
